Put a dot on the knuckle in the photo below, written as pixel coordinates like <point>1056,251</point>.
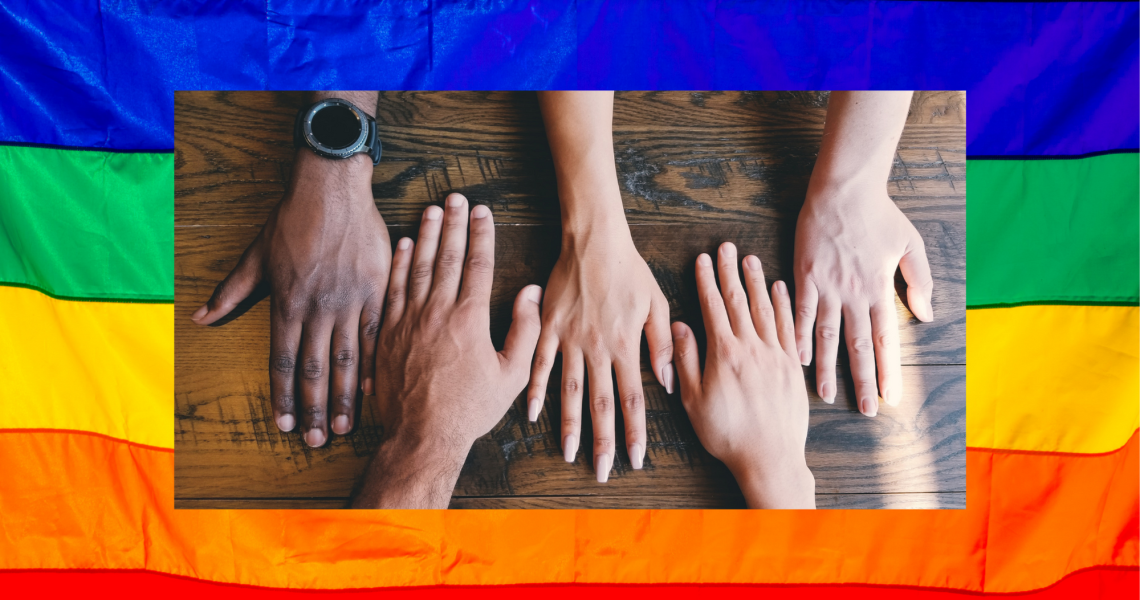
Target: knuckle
<point>450,259</point>
<point>595,343</point>
<point>862,345</point>
<point>764,312</point>
<point>314,412</point>
<point>345,401</point>
<point>395,298</point>
<point>886,339</point>
<point>633,402</point>
<point>421,272</point>
<point>714,302</point>
<point>665,351</point>
<point>734,297</point>
<point>805,313</point>
<point>827,332</point>
<point>345,359</point>
<point>312,368</point>
<point>283,363</point>
<point>602,404</point>
<point>571,387</point>
<point>479,264</point>
<point>542,362</point>
<point>571,423</point>
<point>284,403</point>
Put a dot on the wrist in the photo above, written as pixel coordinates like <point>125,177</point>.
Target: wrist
<point>319,179</point>
<point>413,470</point>
<point>787,484</point>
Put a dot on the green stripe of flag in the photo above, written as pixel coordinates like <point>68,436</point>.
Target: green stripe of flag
<point>79,224</point>
<point>1061,231</point>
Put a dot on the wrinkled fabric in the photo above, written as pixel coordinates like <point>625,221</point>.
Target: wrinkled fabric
<point>1042,78</point>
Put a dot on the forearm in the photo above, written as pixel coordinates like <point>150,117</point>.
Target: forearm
<point>412,473</point>
<point>859,139</point>
<point>579,126</point>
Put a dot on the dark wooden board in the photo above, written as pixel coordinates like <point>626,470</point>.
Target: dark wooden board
<point>695,169</point>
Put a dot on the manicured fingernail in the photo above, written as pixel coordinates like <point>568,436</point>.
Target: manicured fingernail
<point>480,212</point>
<point>433,213</point>
<point>667,378</point>
<point>315,438</point>
<point>752,262</point>
<point>455,201</point>
<point>704,259</point>
<point>404,243</point>
<point>569,448</point>
<point>367,386</point>
<point>534,294</point>
<point>804,360</point>
<point>602,464</point>
<point>781,288</point>
<point>827,393</point>
<point>285,422</point>
<point>341,425</point>
<point>533,406</point>
<point>870,406</point>
<point>636,455</point>
<point>201,312</point>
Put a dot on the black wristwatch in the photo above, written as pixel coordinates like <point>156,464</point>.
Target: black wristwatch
<point>337,129</point>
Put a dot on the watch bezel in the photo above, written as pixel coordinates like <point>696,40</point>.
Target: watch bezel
<point>307,130</point>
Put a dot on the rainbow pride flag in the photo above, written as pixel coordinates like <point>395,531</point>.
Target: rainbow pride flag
<point>87,290</point>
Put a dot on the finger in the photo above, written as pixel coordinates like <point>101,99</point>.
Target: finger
<point>783,309</point>
<point>602,415</point>
<point>573,379</point>
<point>479,272</point>
<point>423,262</point>
<point>237,286</point>
<point>687,361</point>
<point>919,284</point>
<point>284,345</point>
<point>544,355</point>
<point>712,305</point>
<point>370,319</point>
<point>452,250</point>
<point>313,381</point>
<point>861,350</point>
<point>762,317</point>
<point>735,300</point>
<point>885,331</point>
<point>345,365</point>
<point>526,325</point>
<point>660,341</point>
<point>397,296</point>
<point>827,348</point>
<point>628,371</point>
<point>807,300</point>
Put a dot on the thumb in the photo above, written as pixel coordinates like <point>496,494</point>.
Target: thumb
<point>237,286</point>
<point>919,284</point>
<point>686,360</point>
<point>526,324</point>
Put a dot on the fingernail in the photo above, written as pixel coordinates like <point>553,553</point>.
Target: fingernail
<point>781,288</point>
<point>534,294</point>
<point>315,438</point>
<point>827,393</point>
<point>729,249</point>
<point>569,448</point>
<point>533,406</point>
<point>285,422</point>
<point>870,406</point>
<point>480,212</point>
<point>404,243</point>
<point>455,201</point>
<point>602,464</point>
<point>367,386</point>
<point>804,360</point>
<point>888,396</point>
<point>667,378</point>
<point>341,425</point>
<point>636,454</point>
<point>704,259</point>
<point>432,213</point>
<point>929,312</point>
<point>752,263</point>
<point>201,312</point>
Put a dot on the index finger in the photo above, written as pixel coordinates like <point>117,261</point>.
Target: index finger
<point>479,272</point>
<point>885,331</point>
<point>628,372</point>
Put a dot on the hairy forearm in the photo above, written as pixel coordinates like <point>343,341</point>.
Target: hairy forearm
<point>859,138</point>
<point>579,126</point>
<point>412,472</point>
<point>364,100</point>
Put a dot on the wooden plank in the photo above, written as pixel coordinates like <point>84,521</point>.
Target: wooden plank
<point>737,156</point>
<point>920,501</point>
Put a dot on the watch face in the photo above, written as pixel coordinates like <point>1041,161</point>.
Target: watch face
<point>336,126</point>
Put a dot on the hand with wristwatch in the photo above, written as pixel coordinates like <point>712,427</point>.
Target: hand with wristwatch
<point>323,256</point>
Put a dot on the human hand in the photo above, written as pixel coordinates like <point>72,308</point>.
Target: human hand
<point>600,297</point>
<point>324,254</point>
<point>440,383</point>
<point>849,240</point>
<point>750,408</point>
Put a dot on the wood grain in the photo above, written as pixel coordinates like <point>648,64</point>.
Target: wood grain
<point>695,168</point>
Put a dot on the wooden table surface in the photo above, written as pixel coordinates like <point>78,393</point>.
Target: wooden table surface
<point>695,169</point>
